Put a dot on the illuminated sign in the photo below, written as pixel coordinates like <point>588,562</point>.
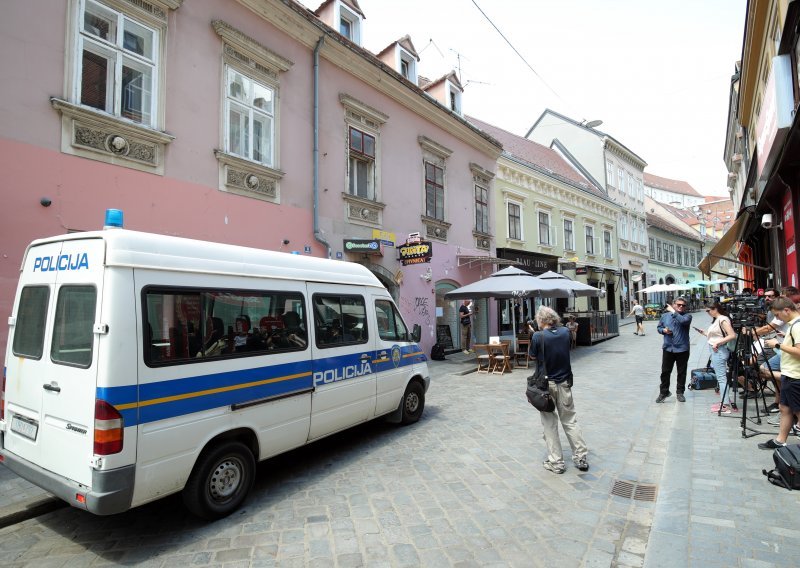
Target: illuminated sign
<point>416,253</point>
<point>364,246</point>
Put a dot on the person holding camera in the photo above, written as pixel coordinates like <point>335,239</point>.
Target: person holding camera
<point>786,310</point>
<point>719,334</point>
<point>674,326</point>
<point>465,312</point>
<point>554,340</point>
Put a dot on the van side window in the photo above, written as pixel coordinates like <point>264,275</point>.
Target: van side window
<point>187,326</point>
<point>73,333</point>
<point>29,330</point>
<point>340,320</point>
<point>390,325</point>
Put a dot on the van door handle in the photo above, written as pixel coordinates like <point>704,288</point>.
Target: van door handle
<point>52,387</point>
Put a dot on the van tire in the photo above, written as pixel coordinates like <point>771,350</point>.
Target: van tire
<point>220,481</point>
<point>413,403</point>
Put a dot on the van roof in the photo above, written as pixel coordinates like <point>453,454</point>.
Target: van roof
<point>162,252</point>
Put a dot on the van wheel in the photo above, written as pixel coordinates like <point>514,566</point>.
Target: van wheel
<point>413,403</point>
<point>220,481</point>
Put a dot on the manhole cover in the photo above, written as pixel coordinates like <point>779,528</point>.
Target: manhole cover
<point>633,490</point>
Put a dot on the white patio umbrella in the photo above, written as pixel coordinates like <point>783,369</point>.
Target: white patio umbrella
<point>655,288</point>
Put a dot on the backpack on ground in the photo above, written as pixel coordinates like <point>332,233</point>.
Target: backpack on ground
<point>704,378</point>
<point>437,352</point>
<point>787,467</point>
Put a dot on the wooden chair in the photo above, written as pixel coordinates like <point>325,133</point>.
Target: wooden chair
<point>500,357</point>
<point>523,344</point>
<point>484,357</point>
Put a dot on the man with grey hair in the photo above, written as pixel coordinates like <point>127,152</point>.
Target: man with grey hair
<point>551,346</point>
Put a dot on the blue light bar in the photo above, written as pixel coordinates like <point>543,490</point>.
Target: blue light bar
<point>113,219</point>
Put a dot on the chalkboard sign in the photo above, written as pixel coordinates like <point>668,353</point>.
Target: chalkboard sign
<point>443,336</point>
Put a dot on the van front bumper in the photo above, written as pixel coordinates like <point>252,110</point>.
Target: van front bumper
<point>111,491</point>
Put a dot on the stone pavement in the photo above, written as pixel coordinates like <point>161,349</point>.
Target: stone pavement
<point>465,487</point>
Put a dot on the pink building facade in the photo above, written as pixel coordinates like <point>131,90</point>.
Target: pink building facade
<point>249,122</point>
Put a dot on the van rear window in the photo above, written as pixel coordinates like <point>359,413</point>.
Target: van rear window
<point>73,333</point>
<point>31,315</point>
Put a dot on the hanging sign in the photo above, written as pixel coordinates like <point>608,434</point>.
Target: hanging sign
<point>364,246</point>
<point>415,253</point>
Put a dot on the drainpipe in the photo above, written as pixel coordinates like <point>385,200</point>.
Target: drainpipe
<point>317,233</point>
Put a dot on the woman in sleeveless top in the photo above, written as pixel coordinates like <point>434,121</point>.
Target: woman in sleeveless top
<point>719,334</point>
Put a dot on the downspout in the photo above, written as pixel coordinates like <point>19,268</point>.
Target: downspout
<point>317,232</point>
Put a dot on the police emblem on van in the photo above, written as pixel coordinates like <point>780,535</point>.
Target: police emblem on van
<point>396,355</point>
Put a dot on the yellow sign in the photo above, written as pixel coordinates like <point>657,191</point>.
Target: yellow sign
<point>389,239</point>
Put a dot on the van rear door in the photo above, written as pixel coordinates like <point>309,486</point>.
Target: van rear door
<point>51,373</point>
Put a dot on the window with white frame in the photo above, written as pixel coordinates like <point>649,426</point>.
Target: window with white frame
<point>434,191</point>
<point>250,112</point>
<point>658,249</point>
<point>349,23</point>
<point>652,251</point>
<point>118,63</point>
<point>623,227</point>
<point>666,251</point>
<point>679,257</point>
<point>569,234</point>
<point>607,252</point>
<point>610,172</point>
<point>544,228</point>
<point>481,209</point>
<point>621,178</point>
<point>672,254</point>
<point>408,66</point>
<point>589,234</point>
<point>514,220</point>
<point>361,164</point>
<point>634,231</point>
<point>692,257</point>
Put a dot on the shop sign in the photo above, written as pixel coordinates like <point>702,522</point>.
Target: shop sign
<point>388,239</point>
<point>415,252</point>
<point>790,239</point>
<point>534,263</point>
<point>581,270</point>
<point>363,246</point>
<point>776,114</point>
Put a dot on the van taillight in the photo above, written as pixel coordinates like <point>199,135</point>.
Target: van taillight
<point>108,429</point>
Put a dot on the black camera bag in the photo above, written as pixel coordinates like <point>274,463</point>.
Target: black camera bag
<point>787,467</point>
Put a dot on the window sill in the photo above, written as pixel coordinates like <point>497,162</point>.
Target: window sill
<point>363,211</point>
<point>435,228</point>
<point>93,134</point>
<point>248,178</point>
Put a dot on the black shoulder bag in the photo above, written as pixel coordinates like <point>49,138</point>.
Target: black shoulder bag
<point>538,392</point>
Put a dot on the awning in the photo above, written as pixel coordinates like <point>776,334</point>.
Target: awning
<point>725,244</point>
<point>472,260</point>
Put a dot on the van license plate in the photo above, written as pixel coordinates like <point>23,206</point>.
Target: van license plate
<point>24,427</point>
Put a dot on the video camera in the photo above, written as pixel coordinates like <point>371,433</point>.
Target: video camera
<point>744,310</point>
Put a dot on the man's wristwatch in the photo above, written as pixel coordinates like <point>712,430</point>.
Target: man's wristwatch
<point>778,346</point>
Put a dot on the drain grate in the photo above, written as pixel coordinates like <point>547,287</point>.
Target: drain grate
<point>633,490</point>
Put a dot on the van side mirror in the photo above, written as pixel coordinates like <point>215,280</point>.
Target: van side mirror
<point>416,333</point>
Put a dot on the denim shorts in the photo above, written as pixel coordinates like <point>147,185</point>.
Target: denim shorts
<point>774,362</point>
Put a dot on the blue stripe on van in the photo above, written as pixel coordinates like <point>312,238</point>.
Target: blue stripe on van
<point>166,399</point>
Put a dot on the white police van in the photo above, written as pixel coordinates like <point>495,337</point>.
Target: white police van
<point>140,365</point>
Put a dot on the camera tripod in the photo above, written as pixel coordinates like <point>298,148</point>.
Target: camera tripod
<point>743,362</point>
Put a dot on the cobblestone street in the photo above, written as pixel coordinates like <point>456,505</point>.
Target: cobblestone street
<point>465,487</point>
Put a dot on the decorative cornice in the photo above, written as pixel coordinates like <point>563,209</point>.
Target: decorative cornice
<point>434,147</point>
<point>251,47</point>
<point>480,172</point>
<point>363,109</point>
<point>524,180</point>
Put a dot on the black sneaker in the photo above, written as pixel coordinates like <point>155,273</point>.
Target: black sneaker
<point>771,445</point>
<point>773,408</point>
<point>681,398</point>
<point>663,397</point>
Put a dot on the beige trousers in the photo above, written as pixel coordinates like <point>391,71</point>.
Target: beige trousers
<point>565,407</point>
